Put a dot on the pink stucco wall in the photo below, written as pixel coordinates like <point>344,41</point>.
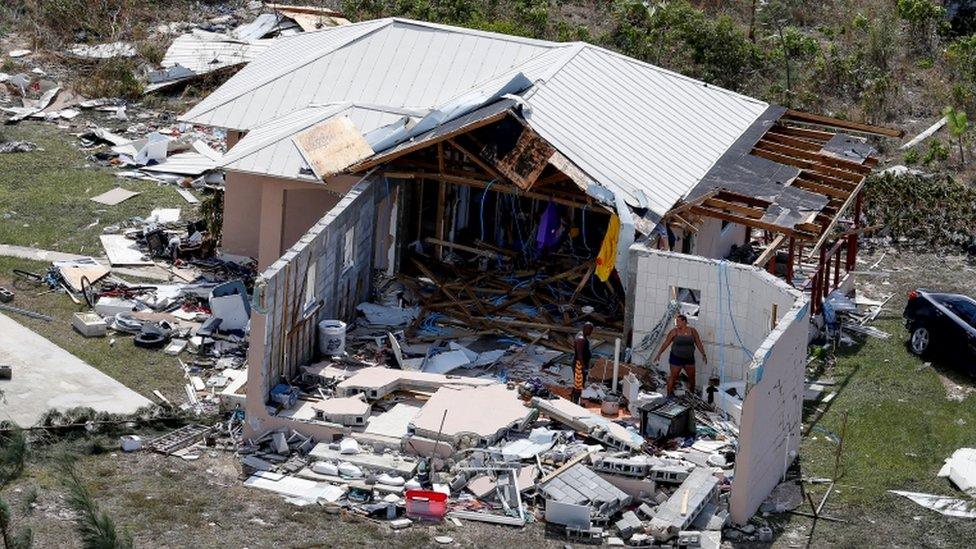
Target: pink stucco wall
<point>264,216</point>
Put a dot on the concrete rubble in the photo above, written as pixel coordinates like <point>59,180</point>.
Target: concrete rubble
<point>416,446</point>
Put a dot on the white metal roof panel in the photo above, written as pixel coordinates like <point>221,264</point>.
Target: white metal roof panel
<point>401,64</point>
<point>637,129</point>
<point>203,52</point>
<point>645,133</point>
<point>284,56</point>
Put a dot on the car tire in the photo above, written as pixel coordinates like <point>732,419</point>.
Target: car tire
<point>920,340</point>
<point>149,340</point>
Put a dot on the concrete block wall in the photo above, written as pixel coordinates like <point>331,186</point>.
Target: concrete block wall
<point>736,312</point>
<point>769,428</point>
<point>772,413</point>
<point>283,330</point>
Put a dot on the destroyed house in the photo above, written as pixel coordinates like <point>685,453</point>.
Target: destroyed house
<point>521,187</point>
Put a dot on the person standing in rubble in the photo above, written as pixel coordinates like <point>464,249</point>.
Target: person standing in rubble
<point>581,361</point>
<point>682,339</point>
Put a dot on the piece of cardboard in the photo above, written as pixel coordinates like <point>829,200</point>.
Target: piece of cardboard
<point>114,197</point>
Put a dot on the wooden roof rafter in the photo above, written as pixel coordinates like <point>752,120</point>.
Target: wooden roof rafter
<point>847,125</point>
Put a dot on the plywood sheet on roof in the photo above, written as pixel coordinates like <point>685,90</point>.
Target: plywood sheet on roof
<point>331,146</point>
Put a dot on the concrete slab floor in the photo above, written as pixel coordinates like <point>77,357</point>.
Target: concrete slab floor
<point>46,377</point>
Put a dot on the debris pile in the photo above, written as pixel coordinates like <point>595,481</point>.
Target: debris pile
<point>196,306</point>
<point>217,46</point>
<point>413,442</point>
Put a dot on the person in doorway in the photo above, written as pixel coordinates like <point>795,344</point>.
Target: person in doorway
<point>682,339</point>
<point>581,361</point>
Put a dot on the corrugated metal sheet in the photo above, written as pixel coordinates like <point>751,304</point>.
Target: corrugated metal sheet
<point>202,52</point>
<point>269,150</point>
<point>635,128</point>
<point>401,64</point>
<point>187,163</point>
<point>647,134</point>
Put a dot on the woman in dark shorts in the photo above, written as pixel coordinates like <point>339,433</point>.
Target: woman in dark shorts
<point>682,339</point>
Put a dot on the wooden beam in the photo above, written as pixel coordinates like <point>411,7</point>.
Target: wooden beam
<point>750,212</point>
<point>831,161</point>
<point>477,160</point>
<point>404,149</point>
<point>832,181</point>
<point>498,187</point>
<point>770,250</point>
<point>726,194</point>
<point>806,165</point>
<point>820,188</point>
<point>718,214</point>
<point>805,133</point>
<point>773,135</point>
<point>826,233</point>
<point>438,242</point>
<point>441,202</point>
<point>801,116</point>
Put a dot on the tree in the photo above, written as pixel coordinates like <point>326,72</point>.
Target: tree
<point>958,124</point>
<point>96,528</point>
<point>923,18</point>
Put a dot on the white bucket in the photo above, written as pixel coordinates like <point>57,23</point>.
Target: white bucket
<point>332,337</point>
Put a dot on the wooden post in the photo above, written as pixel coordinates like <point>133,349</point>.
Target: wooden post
<point>789,261</point>
<point>771,266</point>
<point>837,268</point>
<point>852,238</point>
<point>824,273</point>
<point>815,292</point>
<point>441,199</point>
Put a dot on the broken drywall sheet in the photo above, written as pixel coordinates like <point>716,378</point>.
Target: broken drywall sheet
<point>381,315</point>
<point>539,440</point>
<point>446,362</point>
<point>394,422</point>
<point>74,271</point>
<point>164,215</point>
<point>333,145</point>
<point>123,251</point>
<point>188,196</point>
<point>114,197</point>
<point>294,487</point>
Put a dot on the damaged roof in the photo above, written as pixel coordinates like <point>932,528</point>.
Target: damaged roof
<point>644,133</point>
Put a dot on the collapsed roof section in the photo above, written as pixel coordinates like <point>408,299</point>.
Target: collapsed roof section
<point>646,135</point>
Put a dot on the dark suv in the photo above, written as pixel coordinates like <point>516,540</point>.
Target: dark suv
<point>941,322</point>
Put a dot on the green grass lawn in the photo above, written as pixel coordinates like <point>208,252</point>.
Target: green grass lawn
<point>47,193</point>
<point>900,428</point>
<point>139,369</point>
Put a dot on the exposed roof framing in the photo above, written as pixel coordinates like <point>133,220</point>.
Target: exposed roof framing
<point>827,164</point>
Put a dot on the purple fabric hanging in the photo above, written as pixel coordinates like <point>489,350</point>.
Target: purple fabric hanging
<point>548,233</point>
